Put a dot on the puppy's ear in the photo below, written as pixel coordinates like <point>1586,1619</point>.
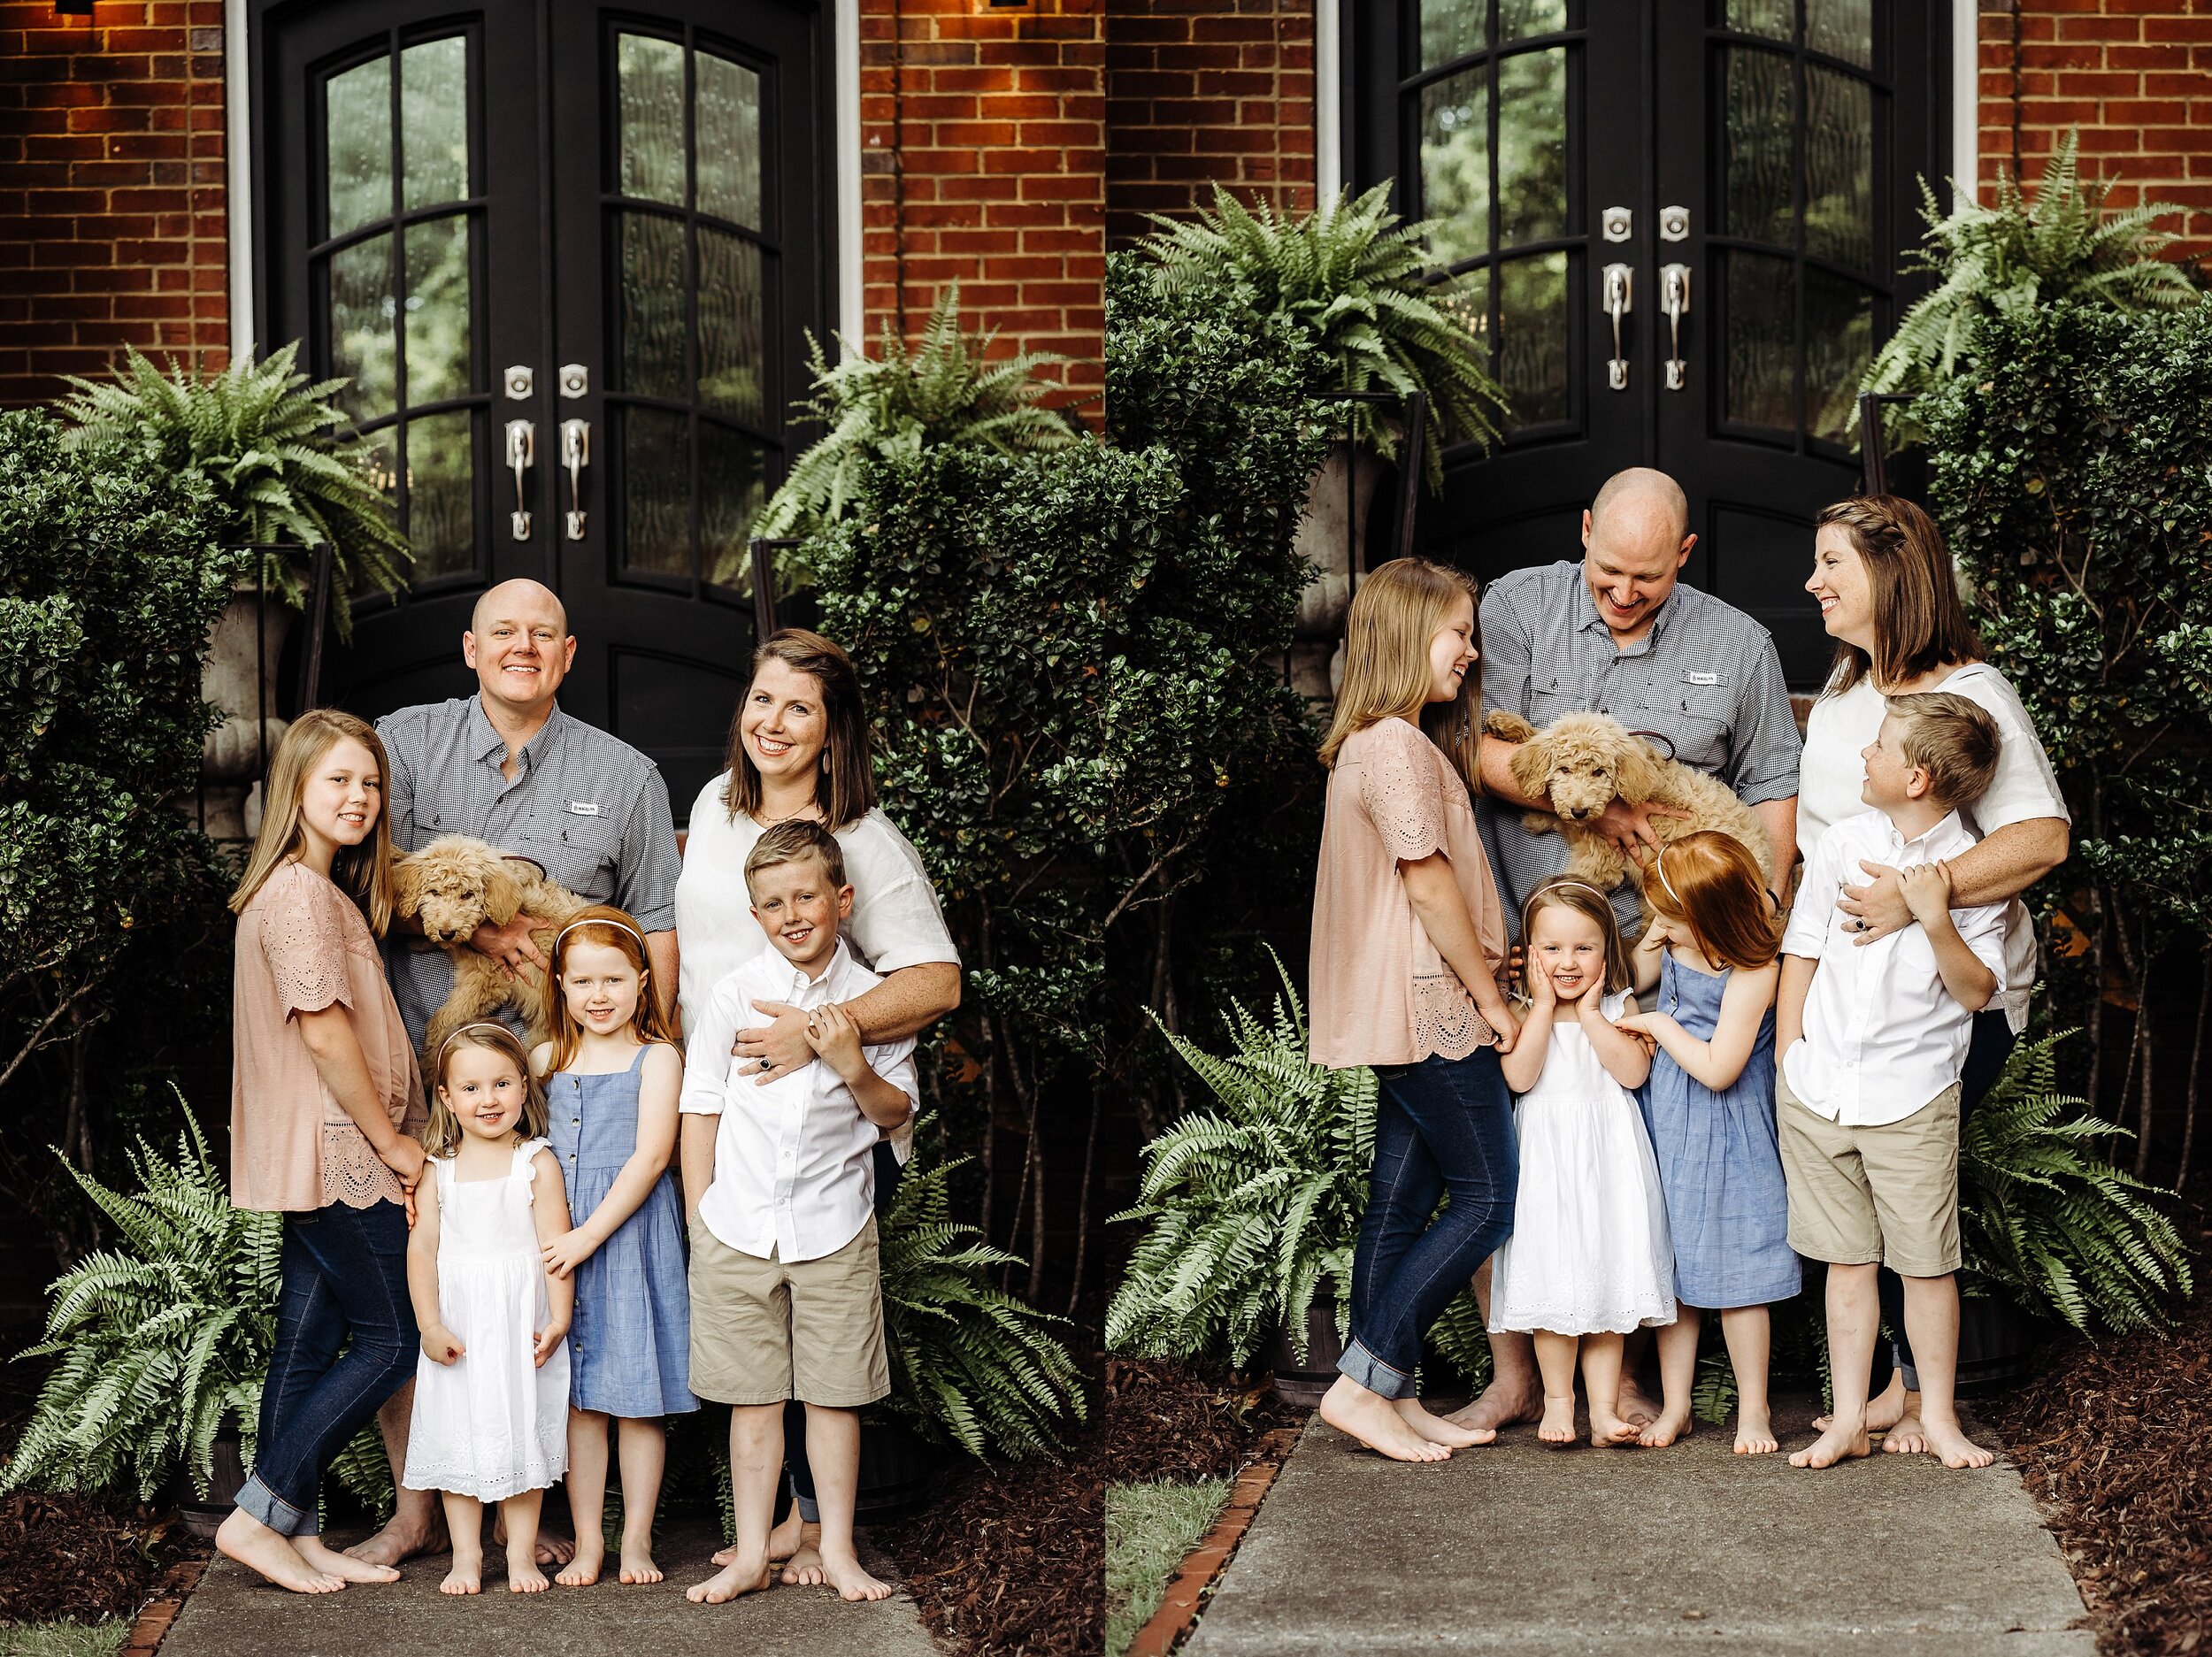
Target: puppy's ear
<point>1531,767</point>
<point>1640,773</point>
<point>406,885</point>
<point>503,895</point>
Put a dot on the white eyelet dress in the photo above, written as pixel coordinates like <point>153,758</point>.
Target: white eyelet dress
<point>490,1425</point>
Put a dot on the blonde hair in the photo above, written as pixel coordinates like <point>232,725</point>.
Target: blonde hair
<point>1919,623</point>
<point>1710,883</point>
<point>363,872</point>
<point>1952,738</point>
<point>603,924</point>
<point>1394,617</point>
<point>442,1136</point>
<point>1594,906</point>
<point>789,842</point>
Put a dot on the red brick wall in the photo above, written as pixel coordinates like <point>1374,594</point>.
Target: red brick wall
<point>983,160</point>
<point>2134,76</point>
<point>111,223</point>
<point>1206,91</point>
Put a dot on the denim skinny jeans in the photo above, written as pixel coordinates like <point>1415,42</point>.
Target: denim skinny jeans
<point>344,1286</point>
<point>1440,1125</point>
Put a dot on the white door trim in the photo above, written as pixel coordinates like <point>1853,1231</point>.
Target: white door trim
<point>1328,100</point>
<point>1966,99</point>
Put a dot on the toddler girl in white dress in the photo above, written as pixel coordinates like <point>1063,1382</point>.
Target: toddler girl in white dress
<point>490,1420</point>
<point>1590,1258</point>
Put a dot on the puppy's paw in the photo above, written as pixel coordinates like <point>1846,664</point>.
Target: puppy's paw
<point>1507,726</point>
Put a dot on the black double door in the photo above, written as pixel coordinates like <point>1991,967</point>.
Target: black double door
<point>566,255</point>
<point>1679,224</point>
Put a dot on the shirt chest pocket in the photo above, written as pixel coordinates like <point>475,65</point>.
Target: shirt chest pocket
<point>1552,695</point>
<point>581,853</point>
<point>1695,709</point>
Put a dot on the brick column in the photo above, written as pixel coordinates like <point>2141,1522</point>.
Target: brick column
<point>112,217</point>
<point>983,160</point>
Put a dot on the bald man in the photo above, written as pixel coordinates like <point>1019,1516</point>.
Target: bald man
<point>506,765</point>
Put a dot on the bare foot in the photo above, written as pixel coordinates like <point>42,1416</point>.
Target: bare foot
<point>1635,1406</point>
<point>552,1549</point>
<point>583,1569</point>
<point>466,1576</point>
<point>1558,1424</point>
<point>1755,1433</point>
<point>330,1562</point>
<point>1908,1437</point>
<point>842,1572</point>
<point>1671,1424</point>
<point>1949,1441</point>
<point>525,1577</point>
<point>1838,1444</point>
<point>270,1554</point>
<point>741,1576</point>
<point>1367,1416</point>
<point>1437,1429</point>
<point>637,1565</point>
<point>1500,1406</point>
<point>1884,1411</point>
<point>1610,1430</point>
<point>401,1540</point>
<point>785,1540</point>
<point>803,1568</point>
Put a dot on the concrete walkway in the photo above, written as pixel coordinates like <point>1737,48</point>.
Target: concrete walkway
<point>234,1614</point>
<point>1521,1548</point>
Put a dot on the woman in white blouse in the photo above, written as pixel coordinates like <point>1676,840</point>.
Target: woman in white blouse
<point>1889,597</point>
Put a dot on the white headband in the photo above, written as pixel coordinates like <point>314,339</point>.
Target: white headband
<point>600,920</point>
<point>1660,863</point>
<point>1554,885</point>
<point>481,1023</point>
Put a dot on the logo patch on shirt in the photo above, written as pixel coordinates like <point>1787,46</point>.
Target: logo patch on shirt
<point>1701,679</point>
<point>587,808</point>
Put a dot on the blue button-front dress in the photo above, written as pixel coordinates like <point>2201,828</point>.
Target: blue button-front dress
<point>630,1345</point>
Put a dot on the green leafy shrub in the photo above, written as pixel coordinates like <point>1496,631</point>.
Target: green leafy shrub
<point>281,461</point>
<point>2062,245</point>
<point>1355,280</point>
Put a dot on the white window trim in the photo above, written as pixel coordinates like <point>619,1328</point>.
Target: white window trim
<point>1966,98</point>
<point>238,170</point>
<point>1329,92</point>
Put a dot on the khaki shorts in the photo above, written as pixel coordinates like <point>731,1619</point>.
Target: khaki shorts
<point>763,1330</point>
<point>1887,1194</point>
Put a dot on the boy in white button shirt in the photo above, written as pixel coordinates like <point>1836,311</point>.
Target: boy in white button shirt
<point>1873,1038</point>
<point>786,1296</point>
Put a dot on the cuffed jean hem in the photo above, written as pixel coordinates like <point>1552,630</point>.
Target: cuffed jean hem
<point>1372,1373</point>
<point>256,1501</point>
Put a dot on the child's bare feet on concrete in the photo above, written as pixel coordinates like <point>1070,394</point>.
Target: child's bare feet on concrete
<point>271,1553</point>
<point>1437,1429</point>
<point>1367,1415</point>
<point>803,1568</point>
<point>1635,1406</point>
<point>1755,1433</point>
<point>1670,1425</point>
<point>1889,1408</point>
<point>783,1541</point>
<point>1610,1430</point>
<point>1558,1424</point>
<point>637,1563</point>
<point>583,1569</point>
<point>523,1575</point>
<point>1840,1443</point>
<point>1908,1437</point>
<point>740,1576</point>
<point>343,1566</point>
<point>1502,1405</point>
<point>841,1571</point>
<point>1948,1440</point>
<point>467,1574</point>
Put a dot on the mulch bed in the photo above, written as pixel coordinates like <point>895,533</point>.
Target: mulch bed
<point>2115,1439</point>
<point>77,1557</point>
<point>1013,1559</point>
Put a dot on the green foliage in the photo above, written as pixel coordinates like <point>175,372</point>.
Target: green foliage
<point>971,1365</point>
<point>282,462</point>
<point>892,406</point>
<point>1252,1208</point>
<point>1355,280</point>
<point>2048,1221</point>
<point>2062,245</point>
<point>1149,1528</point>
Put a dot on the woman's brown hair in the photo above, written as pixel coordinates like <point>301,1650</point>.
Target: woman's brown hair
<point>363,872</point>
<point>845,790</point>
<point>1594,906</point>
<point>603,924</point>
<point>1919,623</point>
<point>1710,883</point>
<point>442,1136</point>
<point>1394,617</point>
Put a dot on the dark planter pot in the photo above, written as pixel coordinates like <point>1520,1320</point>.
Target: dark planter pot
<point>898,1467</point>
<point>1996,1340</point>
<point>1303,1384</point>
<point>202,1514</point>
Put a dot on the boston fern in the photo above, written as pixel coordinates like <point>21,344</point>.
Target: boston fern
<point>1251,1208</point>
<point>970,1364</point>
<point>1357,281</point>
<point>2048,1221</point>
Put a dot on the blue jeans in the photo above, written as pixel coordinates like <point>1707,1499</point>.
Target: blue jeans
<point>345,1285</point>
<point>1442,1125</point>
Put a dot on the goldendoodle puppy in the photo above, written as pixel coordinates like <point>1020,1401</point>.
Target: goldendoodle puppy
<point>1582,762</point>
<point>453,885</point>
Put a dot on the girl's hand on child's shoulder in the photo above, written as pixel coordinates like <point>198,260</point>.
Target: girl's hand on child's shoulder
<point>439,1345</point>
<point>546,1341</point>
<point>567,1252</point>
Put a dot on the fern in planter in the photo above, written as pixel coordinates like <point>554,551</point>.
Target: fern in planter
<point>2048,1221</point>
<point>971,1365</point>
<point>1250,1209</point>
<point>282,458</point>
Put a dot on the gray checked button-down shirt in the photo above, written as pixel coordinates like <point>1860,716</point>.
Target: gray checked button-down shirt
<point>587,807</point>
<point>1706,678</point>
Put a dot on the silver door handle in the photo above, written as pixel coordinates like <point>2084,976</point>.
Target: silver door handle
<point>1674,299</point>
<point>1618,283</point>
<point>575,455</point>
<point>522,445</point>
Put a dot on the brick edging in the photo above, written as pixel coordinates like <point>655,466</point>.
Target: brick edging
<point>152,1626</point>
<point>1202,1566</point>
